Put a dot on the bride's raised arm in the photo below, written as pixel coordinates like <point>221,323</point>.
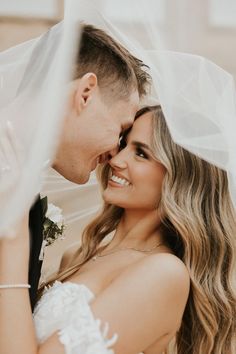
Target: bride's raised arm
<point>17,333</point>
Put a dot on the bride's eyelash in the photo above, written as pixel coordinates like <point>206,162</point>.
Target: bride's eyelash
<point>140,152</point>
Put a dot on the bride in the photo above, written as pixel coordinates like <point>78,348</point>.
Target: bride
<point>166,273</point>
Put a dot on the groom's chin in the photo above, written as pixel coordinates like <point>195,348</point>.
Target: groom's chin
<point>78,177</point>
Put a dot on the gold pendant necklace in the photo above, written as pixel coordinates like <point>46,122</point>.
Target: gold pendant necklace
<point>98,255</point>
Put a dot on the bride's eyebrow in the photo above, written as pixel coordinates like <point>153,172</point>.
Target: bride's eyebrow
<point>140,144</point>
<point>136,143</point>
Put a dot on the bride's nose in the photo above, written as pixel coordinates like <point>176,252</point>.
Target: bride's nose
<point>118,161</point>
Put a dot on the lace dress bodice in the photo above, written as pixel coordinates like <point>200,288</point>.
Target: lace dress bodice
<point>64,308</point>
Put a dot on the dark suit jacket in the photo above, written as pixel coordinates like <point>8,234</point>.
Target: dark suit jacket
<point>36,219</point>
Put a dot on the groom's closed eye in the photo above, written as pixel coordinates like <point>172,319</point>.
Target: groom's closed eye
<point>122,142</point>
<point>123,138</point>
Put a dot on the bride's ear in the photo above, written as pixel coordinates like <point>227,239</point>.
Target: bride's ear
<point>84,91</point>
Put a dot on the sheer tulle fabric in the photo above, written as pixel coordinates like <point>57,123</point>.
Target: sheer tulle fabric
<point>197,97</point>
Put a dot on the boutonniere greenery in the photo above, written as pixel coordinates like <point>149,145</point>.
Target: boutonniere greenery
<point>53,225</point>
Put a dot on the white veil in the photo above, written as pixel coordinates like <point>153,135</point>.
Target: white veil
<point>197,97</point>
<point>34,76</point>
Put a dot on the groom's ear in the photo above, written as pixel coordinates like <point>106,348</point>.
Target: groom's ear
<point>84,91</point>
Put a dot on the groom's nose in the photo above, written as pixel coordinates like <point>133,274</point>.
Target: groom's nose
<point>107,156</point>
<point>113,152</point>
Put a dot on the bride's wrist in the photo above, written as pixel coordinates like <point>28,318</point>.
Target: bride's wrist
<point>14,247</point>
<point>14,260</point>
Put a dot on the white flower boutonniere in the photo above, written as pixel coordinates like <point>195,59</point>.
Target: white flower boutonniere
<point>53,226</point>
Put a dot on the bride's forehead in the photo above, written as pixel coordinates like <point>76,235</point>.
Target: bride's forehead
<point>142,125</point>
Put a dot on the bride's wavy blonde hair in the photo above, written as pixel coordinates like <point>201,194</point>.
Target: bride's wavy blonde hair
<point>200,227</point>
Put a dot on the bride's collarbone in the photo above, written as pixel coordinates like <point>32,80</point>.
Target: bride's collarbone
<point>98,274</point>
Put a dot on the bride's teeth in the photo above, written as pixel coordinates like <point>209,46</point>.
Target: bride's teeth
<point>119,180</point>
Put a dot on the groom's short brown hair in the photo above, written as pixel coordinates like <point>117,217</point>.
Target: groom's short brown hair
<point>116,68</point>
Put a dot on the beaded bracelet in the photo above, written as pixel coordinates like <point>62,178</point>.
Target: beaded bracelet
<point>9,286</point>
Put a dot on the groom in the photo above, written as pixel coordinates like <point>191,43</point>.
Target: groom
<point>103,99</point>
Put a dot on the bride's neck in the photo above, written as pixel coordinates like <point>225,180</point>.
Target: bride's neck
<point>131,221</point>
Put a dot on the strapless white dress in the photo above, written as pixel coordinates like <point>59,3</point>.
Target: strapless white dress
<point>64,308</point>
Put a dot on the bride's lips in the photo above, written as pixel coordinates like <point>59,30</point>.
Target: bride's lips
<point>114,184</point>
<point>118,180</point>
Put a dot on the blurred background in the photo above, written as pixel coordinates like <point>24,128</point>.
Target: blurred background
<point>204,27</point>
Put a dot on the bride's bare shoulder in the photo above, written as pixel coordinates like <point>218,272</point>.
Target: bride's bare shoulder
<point>170,265</point>
<point>165,265</point>
<point>163,269</point>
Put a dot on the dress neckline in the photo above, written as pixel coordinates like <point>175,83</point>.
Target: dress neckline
<point>81,285</point>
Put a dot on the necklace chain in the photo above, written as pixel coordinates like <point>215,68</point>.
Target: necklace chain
<point>98,255</point>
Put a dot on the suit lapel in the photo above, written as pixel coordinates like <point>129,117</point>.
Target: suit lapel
<point>36,218</point>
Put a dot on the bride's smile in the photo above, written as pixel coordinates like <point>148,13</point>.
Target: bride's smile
<point>136,175</point>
